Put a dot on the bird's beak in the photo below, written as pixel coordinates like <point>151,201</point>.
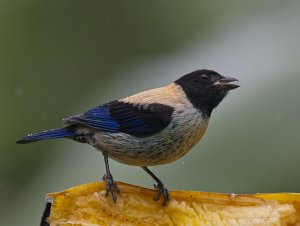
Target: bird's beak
<point>227,83</point>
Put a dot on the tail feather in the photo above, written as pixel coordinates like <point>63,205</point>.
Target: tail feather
<point>49,134</point>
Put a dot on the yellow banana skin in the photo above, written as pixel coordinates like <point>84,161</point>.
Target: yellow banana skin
<point>87,205</point>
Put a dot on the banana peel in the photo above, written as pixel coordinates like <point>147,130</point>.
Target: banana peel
<point>86,205</point>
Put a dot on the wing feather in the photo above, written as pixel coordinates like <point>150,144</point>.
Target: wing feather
<point>118,116</point>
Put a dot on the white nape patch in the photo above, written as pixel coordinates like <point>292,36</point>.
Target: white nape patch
<point>171,95</point>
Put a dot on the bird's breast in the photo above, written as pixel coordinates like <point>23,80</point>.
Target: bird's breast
<point>187,129</point>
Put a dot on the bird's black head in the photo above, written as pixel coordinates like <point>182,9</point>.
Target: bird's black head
<point>206,88</point>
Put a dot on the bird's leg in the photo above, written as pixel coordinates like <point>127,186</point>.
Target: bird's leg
<point>111,186</point>
<point>161,189</point>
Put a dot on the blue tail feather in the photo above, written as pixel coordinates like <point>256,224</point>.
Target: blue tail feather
<point>49,134</point>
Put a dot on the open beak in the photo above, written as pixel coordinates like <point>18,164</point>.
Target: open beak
<point>227,83</point>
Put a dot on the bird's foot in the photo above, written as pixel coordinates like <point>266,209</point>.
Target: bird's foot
<point>162,190</point>
<point>111,186</point>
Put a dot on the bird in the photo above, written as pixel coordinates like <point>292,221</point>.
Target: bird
<point>150,128</point>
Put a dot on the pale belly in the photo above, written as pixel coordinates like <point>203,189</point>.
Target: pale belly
<point>163,147</point>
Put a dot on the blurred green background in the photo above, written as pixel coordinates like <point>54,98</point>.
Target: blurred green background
<point>59,58</point>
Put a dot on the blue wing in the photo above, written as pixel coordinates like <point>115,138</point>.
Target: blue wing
<point>118,116</point>
<point>97,118</point>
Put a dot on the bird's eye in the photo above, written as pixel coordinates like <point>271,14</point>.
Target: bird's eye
<point>204,77</point>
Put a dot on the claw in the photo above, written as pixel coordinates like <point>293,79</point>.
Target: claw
<point>161,190</point>
<point>111,186</point>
